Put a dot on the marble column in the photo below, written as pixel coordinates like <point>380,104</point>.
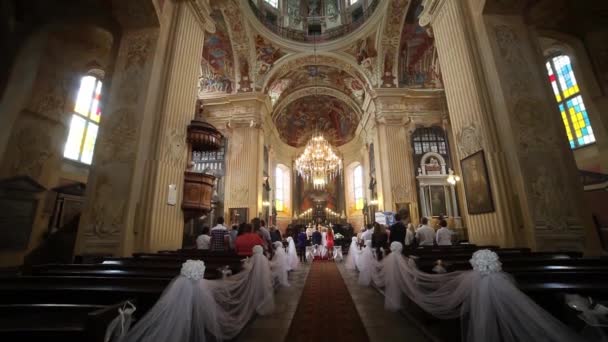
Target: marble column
<point>494,79</point>
<point>163,223</point>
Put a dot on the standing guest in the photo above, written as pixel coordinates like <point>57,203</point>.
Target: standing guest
<point>246,240</point>
<point>444,234</point>
<point>275,234</point>
<point>317,237</point>
<point>302,241</point>
<point>367,235</point>
<point>220,238</point>
<point>379,239</point>
<point>309,232</point>
<point>425,235</point>
<point>233,234</point>
<point>204,240</point>
<point>410,235</point>
<point>330,242</point>
<point>260,226</point>
<point>399,229</point>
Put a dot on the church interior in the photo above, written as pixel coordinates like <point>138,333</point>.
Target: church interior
<point>129,129</point>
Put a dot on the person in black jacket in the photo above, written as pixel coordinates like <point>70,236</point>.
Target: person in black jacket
<point>398,229</point>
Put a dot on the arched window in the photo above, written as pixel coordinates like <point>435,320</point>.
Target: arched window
<point>273,3</point>
<point>281,186</point>
<point>569,100</point>
<point>358,187</point>
<point>85,121</point>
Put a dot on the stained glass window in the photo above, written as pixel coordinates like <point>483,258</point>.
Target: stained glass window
<point>571,106</point>
<point>84,125</point>
<point>358,183</point>
<point>273,3</point>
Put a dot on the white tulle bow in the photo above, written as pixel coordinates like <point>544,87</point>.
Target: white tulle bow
<point>121,324</point>
<point>486,262</point>
<point>193,269</point>
<point>396,247</point>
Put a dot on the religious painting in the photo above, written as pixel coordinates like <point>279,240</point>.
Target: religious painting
<point>437,200</point>
<point>217,65</point>
<point>238,215</point>
<point>318,75</point>
<point>326,114</point>
<point>477,184</point>
<point>266,54</point>
<point>418,60</point>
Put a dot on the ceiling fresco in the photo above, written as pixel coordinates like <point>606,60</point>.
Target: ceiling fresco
<point>418,61</point>
<point>317,75</point>
<point>299,119</point>
<point>217,65</point>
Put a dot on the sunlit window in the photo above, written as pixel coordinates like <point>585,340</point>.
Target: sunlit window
<point>85,121</point>
<point>352,2</point>
<point>570,102</point>
<point>281,186</point>
<point>273,3</point>
<point>358,183</point>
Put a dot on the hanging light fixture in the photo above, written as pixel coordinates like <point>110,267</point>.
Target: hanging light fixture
<point>319,163</point>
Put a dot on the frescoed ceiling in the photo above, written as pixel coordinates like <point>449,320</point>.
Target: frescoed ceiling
<point>299,119</point>
<point>217,64</point>
<point>318,76</point>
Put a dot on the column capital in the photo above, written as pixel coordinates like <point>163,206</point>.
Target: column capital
<point>201,10</point>
<point>429,10</point>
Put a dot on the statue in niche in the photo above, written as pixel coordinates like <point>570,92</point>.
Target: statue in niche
<point>432,166</point>
<point>313,8</point>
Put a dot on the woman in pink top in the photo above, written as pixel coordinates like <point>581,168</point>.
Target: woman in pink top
<point>246,239</point>
<point>330,242</point>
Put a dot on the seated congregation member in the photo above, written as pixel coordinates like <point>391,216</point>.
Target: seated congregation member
<point>301,243</point>
<point>246,240</point>
<point>203,241</point>
<point>379,239</point>
<point>444,234</point>
<point>275,234</point>
<point>220,238</point>
<point>425,235</point>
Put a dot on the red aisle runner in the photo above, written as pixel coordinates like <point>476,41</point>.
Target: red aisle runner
<point>326,311</point>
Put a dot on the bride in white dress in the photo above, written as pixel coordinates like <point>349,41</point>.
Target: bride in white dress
<point>324,243</point>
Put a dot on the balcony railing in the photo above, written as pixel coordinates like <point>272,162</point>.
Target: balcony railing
<point>303,36</point>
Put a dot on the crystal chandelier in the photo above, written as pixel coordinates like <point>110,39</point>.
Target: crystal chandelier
<point>319,163</point>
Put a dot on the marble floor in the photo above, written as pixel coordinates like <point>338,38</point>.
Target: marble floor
<point>381,325</point>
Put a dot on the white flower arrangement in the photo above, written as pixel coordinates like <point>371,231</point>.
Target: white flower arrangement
<point>193,269</point>
<point>257,249</point>
<point>339,236</point>
<point>485,261</point>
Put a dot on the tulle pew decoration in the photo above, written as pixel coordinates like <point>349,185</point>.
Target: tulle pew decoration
<point>280,265</point>
<point>351,257</point>
<point>487,300</point>
<point>338,257</point>
<point>292,253</point>
<point>191,308</point>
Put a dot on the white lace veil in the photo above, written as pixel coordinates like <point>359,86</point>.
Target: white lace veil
<point>491,307</point>
<point>292,254</point>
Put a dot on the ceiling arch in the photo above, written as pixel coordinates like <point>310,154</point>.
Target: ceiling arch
<point>316,91</point>
<point>300,118</point>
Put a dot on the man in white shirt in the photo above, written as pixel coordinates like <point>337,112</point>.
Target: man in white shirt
<point>444,234</point>
<point>203,241</point>
<point>425,235</point>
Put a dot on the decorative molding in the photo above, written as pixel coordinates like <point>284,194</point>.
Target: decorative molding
<point>469,140</point>
<point>430,8</point>
<point>202,10</point>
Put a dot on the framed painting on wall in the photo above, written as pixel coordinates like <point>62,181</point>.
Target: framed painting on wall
<point>476,183</point>
<point>238,215</point>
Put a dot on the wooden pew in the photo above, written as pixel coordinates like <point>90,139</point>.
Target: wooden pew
<point>59,322</point>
